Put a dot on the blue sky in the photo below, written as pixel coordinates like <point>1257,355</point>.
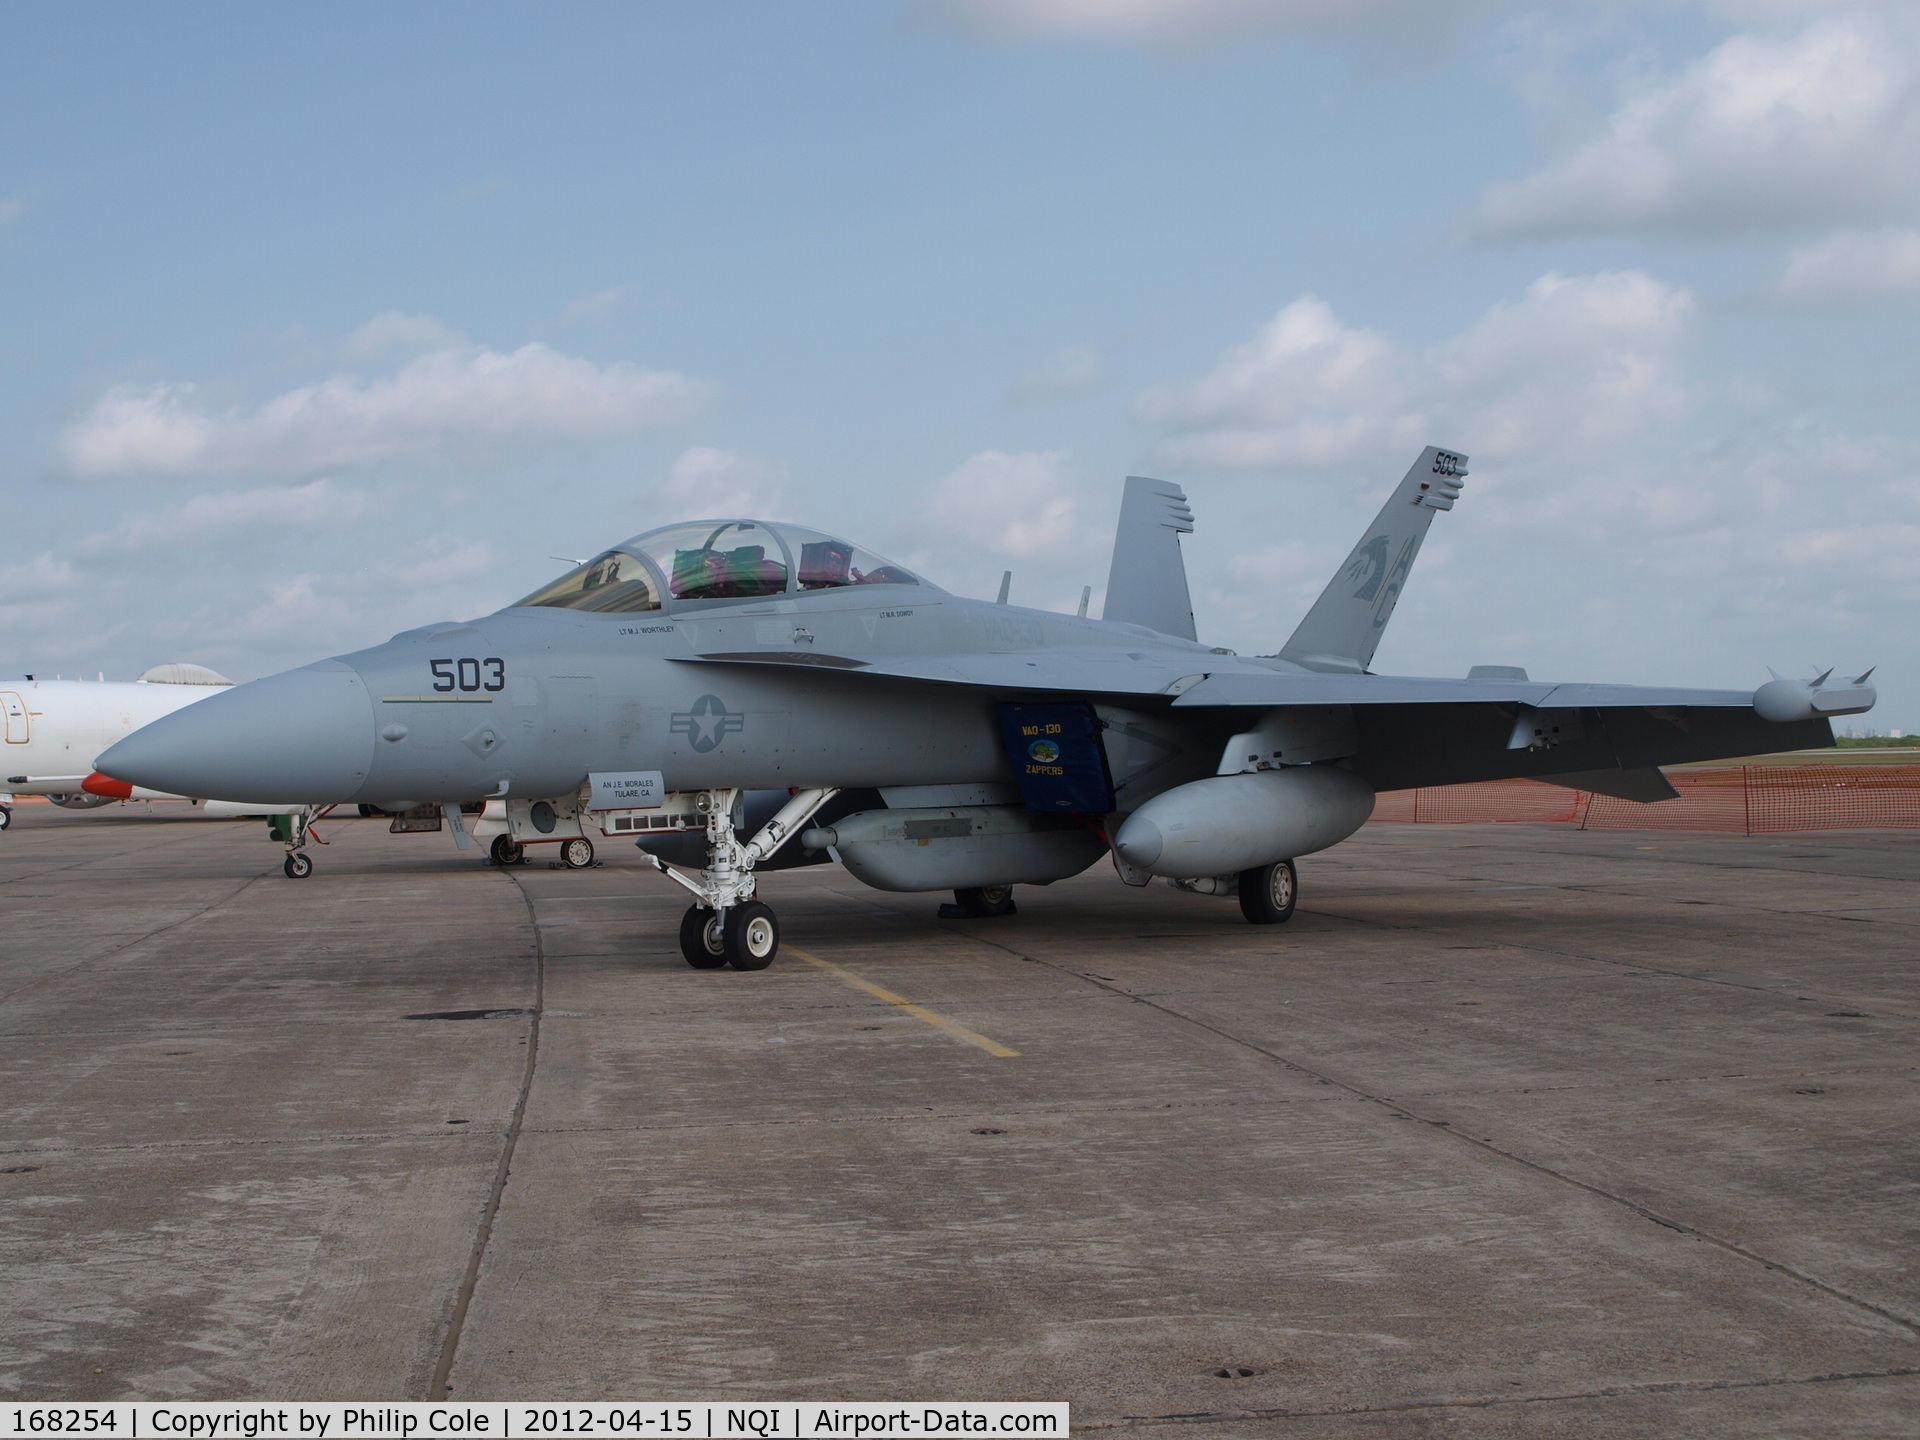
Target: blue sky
<point>321,322</point>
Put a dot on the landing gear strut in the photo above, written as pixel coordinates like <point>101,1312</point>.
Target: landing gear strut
<point>726,924</point>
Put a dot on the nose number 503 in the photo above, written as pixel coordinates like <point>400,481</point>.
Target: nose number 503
<point>469,674</point>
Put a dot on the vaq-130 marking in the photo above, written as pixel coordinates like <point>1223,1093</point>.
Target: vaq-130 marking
<point>749,695</point>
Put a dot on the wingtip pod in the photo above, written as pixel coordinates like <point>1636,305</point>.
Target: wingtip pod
<point>1782,700</point>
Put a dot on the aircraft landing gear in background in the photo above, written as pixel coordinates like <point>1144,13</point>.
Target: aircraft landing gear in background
<point>575,854</point>
<point>1268,893</point>
<point>980,902</point>
<point>6,816</point>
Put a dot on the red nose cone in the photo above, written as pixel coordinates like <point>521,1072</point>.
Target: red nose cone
<point>98,784</point>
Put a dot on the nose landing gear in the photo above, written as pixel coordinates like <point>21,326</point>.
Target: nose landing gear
<point>726,924</point>
<point>294,830</point>
<point>747,937</point>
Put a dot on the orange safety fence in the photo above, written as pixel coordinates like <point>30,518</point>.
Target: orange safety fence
<point>1740,800</point>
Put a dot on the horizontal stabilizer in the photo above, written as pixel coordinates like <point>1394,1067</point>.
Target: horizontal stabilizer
<point>1147,584</point>
<point>1343,629</point>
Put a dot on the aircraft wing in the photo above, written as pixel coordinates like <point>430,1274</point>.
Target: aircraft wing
<point>1103,670</point>
<point>1247,688</point>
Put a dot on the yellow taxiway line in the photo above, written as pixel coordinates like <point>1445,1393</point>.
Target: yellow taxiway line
<point>919,1012</point>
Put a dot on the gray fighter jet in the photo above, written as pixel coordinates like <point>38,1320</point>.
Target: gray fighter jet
<point>741,695</point>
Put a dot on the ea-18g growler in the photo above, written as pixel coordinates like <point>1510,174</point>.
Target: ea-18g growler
<point>742,695</point>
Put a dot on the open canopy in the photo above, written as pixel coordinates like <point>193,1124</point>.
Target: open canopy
<point>717,560</point>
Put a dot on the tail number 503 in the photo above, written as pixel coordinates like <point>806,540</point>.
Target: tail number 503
<point>469,674</point>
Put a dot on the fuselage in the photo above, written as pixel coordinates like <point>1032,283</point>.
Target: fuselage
<point>530,700</point>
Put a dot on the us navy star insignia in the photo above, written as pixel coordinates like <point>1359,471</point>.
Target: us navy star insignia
<point>708,722</point>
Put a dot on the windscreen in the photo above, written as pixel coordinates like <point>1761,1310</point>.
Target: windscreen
<point>615,581</point>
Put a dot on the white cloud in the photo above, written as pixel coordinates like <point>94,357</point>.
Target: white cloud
<point>285,515</point>
<point>597,304</point>
<point>470,403</point>
<point>708,483</point>
<point>1018,505</point>
<point>1064,373</point>
<point>1577,361</point>
<point>395,330</point>
<point>1195,22</point>
<point>245,581</point>
<point>1852,267</point>
<point>1818,127</point>
<point>1026,511</point>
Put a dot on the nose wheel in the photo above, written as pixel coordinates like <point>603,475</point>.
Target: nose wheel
<point>747,937</point>
<point>294,830</point>
<point>703,938</point>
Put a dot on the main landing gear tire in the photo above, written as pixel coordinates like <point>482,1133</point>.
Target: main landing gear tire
<point>297,866</point>
<point>1268,893</point>
<point>701,938</point>
<point>752,936</point>
<point>6,817</point>
<point>576,854</point>
<point>506,850</point>
<point>368,812</point>
<point>986,902</point>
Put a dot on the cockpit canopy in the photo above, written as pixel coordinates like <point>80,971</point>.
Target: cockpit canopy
<point>717,560</point>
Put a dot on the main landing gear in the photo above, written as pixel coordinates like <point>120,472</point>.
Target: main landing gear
<point>1268,893</point>
<point>726,925</point>
<point>980,902</point>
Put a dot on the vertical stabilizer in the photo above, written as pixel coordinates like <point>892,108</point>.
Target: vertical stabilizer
<point>1343,628</point>
<point>1148,582</point>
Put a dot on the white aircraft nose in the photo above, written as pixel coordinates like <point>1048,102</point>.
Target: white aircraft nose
<point>300,737</point>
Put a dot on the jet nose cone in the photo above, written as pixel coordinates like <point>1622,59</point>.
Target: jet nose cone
<point>301,737</point>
